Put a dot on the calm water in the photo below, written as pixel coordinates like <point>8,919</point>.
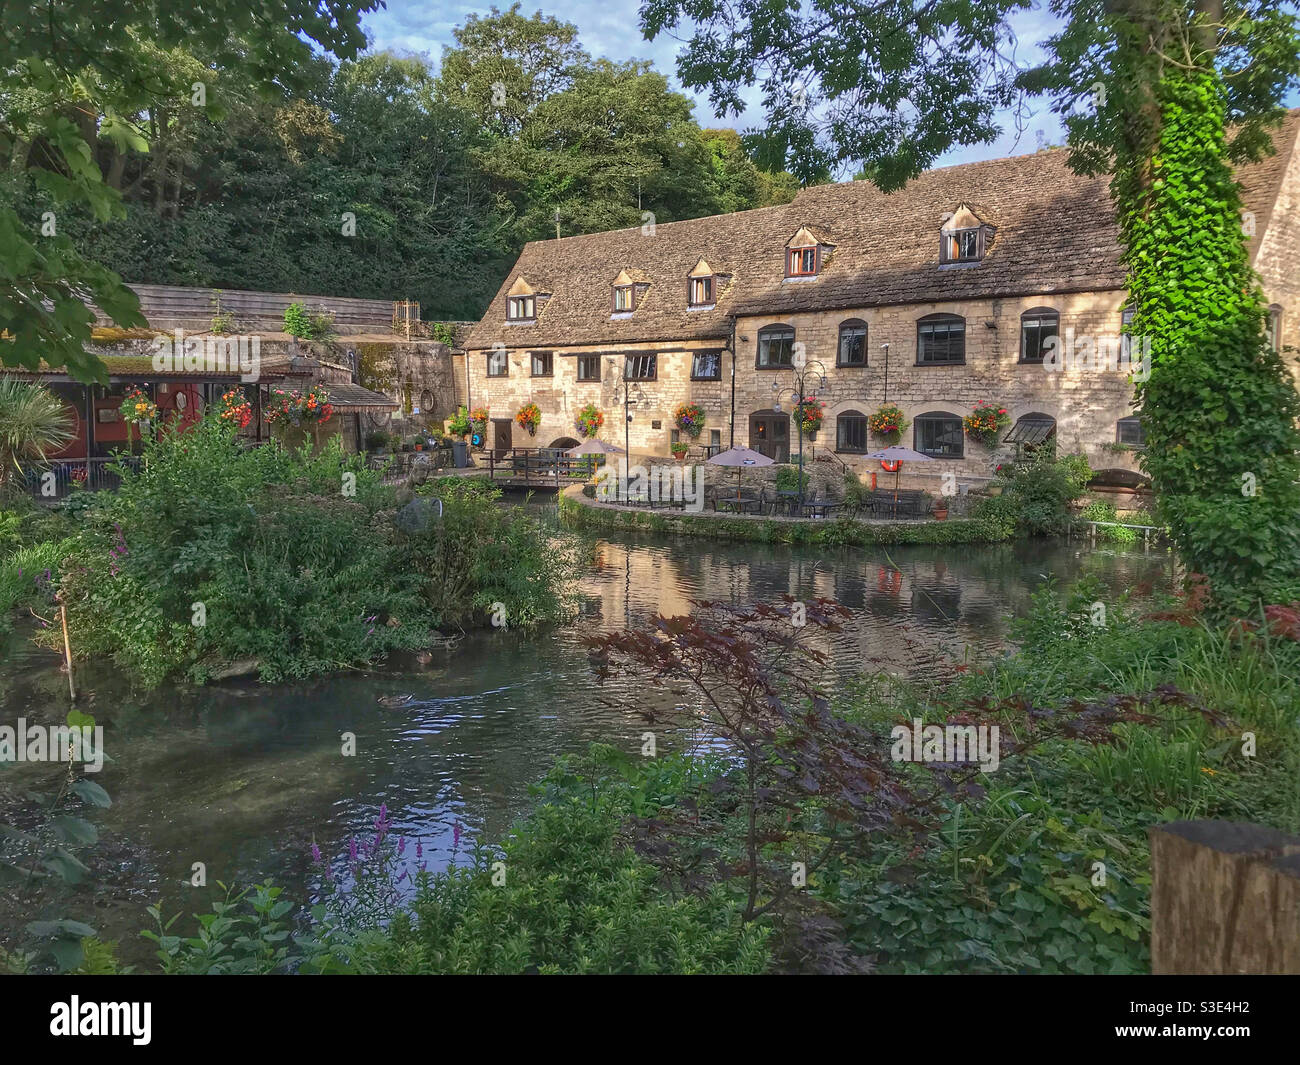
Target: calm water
<point>243,779</point>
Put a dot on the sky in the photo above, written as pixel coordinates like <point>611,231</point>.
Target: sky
<point>610,29</point>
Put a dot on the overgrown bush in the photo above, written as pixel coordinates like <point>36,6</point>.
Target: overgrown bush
<point>1036,494</point>
<point>483,561</point>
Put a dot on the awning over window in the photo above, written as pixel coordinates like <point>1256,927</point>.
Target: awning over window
<point>1031,429</point>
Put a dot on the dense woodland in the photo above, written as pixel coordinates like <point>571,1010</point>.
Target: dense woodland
<point>448,168</point>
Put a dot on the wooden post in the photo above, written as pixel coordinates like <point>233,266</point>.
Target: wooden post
<point>1225,898</point>
<point>67,650</point>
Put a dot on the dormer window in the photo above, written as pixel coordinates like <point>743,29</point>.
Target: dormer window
<point>624,298</point>
<point>700,291</point>
<point>964,238</point>
<point>802,262</point>
<point>521,308</point>
<point>963,246</point>
<point>805,253</point>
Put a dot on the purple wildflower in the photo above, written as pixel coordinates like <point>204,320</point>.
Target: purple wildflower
<point>315,853</point>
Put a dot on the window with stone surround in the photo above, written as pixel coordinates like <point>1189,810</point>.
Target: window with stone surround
<point>706,366</point>
<point>624,298</point>
<point>852,350</point>
<point>498,363</point>
<point>521,308</point>
<point>543,364</point>
<point>1129,431</point>
<point>962,245</point>
<point>941,340</point>
<point>775,348</point>
<point>640,367</point>
<point>939,435</point>
<point>588,367</point>
<point>1036,327</point>
<point>851,432</point>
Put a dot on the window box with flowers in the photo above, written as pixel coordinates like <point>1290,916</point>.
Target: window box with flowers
<point>529,417</point>
<point>810,412</point>
<point>689,419</point>
<point>589,420</point>
<point>986,422</point>
<point>888,424</point>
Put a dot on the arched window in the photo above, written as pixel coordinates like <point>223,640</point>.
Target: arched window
<point>775,347</point>
<point>851,432</point>
<point>941,340</point>
<point>1275,326</point>
<point>853,343</point>
<point>1036,327</point>
<point>939,435</point>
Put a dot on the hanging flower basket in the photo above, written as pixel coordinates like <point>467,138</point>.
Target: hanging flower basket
<point>311,408</point>
<point>689,419</point>
<point>888,423</point>
<point>810,411</point>
<point>986,422</point>
<point>137,408</point>
<point>235,409</point>
<point>529,417</point>
<point>589,420</point>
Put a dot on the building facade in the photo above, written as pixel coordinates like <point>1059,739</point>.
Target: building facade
<point>989,283</point>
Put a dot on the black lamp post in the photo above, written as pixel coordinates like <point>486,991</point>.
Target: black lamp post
<point>800,393</point>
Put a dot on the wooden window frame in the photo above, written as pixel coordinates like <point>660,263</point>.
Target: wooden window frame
<point>696,377</point>
<point>505,362</point>
<point>1132,419</point>
<point>631,299</point>
<point>936,319</point>
<point>857,416</point>
<point>934,416</point>
<point>766,333</point>
<point>1030,315</point>
<point>707,281</point>
<point>549,356</point>
<point>578,370</point>
<point>950,238</point>
<point>790,259</point>
<point>852,324</point>
<point>521,301</point>
<point>654,376</point>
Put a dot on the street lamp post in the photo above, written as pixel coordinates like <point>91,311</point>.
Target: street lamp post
<point>799,393</point>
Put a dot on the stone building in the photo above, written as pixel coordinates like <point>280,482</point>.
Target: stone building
<point>994,282</point>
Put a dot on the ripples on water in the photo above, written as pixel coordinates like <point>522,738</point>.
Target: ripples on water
<point>243,779</point>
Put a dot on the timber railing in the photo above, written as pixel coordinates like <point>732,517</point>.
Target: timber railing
<point>540,467</point>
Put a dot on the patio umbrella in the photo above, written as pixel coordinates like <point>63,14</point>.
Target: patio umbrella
<point>899,454</point>
<point>740,457</point>
<point>592,446</point>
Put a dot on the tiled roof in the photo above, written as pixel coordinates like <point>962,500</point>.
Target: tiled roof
<point>349,397</point>
<point>1055,232</point>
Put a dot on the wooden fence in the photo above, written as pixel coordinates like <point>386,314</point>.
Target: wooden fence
<point>169,306</point>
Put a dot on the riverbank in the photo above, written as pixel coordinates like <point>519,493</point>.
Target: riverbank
<point>581,513</point>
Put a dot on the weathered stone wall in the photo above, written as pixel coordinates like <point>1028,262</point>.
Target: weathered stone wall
<point>1278,260</point>
<point>417,374</point>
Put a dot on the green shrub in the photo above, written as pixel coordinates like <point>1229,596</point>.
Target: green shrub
<point>788,479</point>
<point>575,899</point>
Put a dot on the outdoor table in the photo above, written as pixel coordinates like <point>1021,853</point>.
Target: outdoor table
<point>739,503</point>
<point>820,510</point>
<point>786,498</point>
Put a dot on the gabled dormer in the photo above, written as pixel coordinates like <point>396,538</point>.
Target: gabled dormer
<point>805,254</point>
<point>704,283</point>
<point>964,237</point>
<point>524,302</point>
<point>628,290</point>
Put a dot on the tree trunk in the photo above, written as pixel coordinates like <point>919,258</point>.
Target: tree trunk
<point>1225,898</point>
